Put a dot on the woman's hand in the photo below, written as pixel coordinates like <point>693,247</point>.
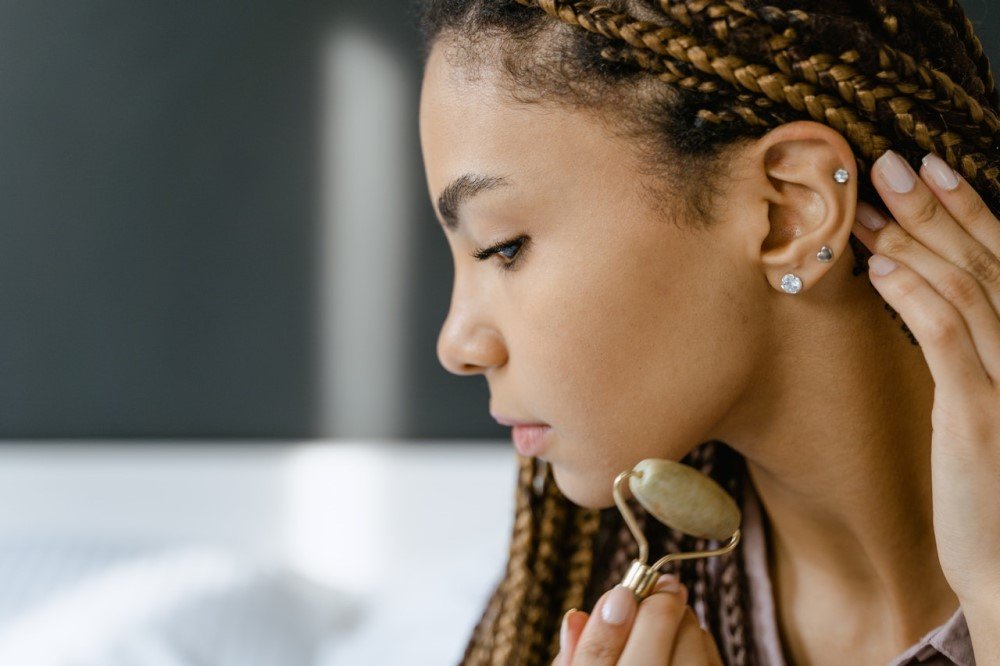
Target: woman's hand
<point>660,630</point>
<point>947,289</point>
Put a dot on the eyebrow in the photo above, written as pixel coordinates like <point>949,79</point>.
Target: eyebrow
<point>460,190</point>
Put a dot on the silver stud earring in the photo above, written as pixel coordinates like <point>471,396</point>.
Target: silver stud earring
<point>791,283</point>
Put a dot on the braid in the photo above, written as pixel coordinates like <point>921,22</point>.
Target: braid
<point>549,577</point>
<point>499,622</point>
<point>838,73</point>
<point>517,626</point>
<point>581,562</point>
<point>888,22</point>
<point>910,122</point>
<point>955,16</point>
<point>734,613</point>
<point>687,78</point>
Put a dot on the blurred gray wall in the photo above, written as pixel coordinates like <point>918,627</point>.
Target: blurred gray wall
<point>157,184</point>
<point>201,234</point>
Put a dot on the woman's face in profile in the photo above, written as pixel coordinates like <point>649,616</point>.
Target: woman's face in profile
<point>629,336</point>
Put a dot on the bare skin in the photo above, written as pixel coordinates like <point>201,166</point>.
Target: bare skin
<point>633,337</point>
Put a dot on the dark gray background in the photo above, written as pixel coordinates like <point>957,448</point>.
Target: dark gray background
<point>157,196</point>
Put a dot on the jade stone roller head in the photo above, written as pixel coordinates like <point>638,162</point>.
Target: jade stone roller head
<point>680,497</point>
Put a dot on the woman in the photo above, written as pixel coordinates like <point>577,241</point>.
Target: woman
<point>652,210</point>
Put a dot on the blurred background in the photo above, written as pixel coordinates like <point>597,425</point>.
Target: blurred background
<point>216,224</point>
<point>226,437</point>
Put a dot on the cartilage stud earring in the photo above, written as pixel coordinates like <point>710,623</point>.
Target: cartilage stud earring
<point>791,283</point>
<point>825,254</point>
<point>841,175</point>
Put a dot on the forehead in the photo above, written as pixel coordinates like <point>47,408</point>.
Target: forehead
<point>469,126</point>
<point>475,126</point>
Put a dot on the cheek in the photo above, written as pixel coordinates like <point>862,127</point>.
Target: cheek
<point>640,364</point>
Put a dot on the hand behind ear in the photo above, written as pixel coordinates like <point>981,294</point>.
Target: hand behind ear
<point>937,263</point>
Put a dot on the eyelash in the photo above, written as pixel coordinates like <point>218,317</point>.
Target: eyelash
<point>485,253</point>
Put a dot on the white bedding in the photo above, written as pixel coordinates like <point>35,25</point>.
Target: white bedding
<point>321,554</point>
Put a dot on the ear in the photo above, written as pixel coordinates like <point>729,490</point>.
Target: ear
<point>806,207</point>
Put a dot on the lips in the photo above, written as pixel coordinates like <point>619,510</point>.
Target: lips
<point>529,437</point>
<point>530,440</point>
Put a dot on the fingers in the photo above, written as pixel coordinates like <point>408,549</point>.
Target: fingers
<point>969,239</point>
<point>711,649</point>
<point>569,633</point>
<point>660,630</point>
<point>656,624</point>
<point>962,201</point>
<point>918,208</point>
<point>607,629</point>
<point>948,291</point>
<point>943,305</point>
<point>690,645</point>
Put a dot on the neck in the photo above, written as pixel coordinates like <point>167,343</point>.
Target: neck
<point>837,440</point>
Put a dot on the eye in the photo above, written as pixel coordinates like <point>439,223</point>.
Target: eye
<point>509,249</point>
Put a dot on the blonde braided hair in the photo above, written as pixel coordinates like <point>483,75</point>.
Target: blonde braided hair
<point>696,77</point>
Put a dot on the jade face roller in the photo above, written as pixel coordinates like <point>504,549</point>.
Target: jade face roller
<point>680,497</point>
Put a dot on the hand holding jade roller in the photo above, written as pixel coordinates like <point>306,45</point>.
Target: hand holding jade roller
<point>687,500</point>
<point>680,497</point>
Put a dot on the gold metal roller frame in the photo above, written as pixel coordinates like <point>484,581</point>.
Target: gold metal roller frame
<point>682,498</point>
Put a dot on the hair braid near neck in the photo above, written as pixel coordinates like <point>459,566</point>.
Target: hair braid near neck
<point>524,543</point>
<point>915,79</point>
<point>551,576</point>
<point>580,546</point>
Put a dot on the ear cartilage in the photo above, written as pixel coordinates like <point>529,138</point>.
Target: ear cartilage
<point>682,498</point>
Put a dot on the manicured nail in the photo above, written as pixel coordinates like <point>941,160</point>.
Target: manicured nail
<point>618,605</point>
<point>564,630</point>
<point>896,172</point>
<point>880,265</point>
<point>667,583</point>
<point>943,175</point>
<point>868,216</point>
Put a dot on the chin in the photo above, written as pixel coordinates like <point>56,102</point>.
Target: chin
<point>589,492</point>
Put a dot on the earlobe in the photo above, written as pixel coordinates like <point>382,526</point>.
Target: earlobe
<point>811,207</point>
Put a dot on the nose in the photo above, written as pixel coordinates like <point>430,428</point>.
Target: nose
<point>468,346</point>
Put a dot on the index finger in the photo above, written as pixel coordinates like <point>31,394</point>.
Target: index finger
<point>962,201</point>
<point>607,629</point>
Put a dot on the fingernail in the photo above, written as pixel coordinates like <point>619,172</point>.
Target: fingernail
<point>618,605</point>
<point>564,629</point>
<point>868,216</point>
<point>667,583</point>
<point>880,265</point>
<point>896,172</point>
<point>942,174</point>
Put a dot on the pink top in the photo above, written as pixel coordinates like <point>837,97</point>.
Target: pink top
<point>946,645</point>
